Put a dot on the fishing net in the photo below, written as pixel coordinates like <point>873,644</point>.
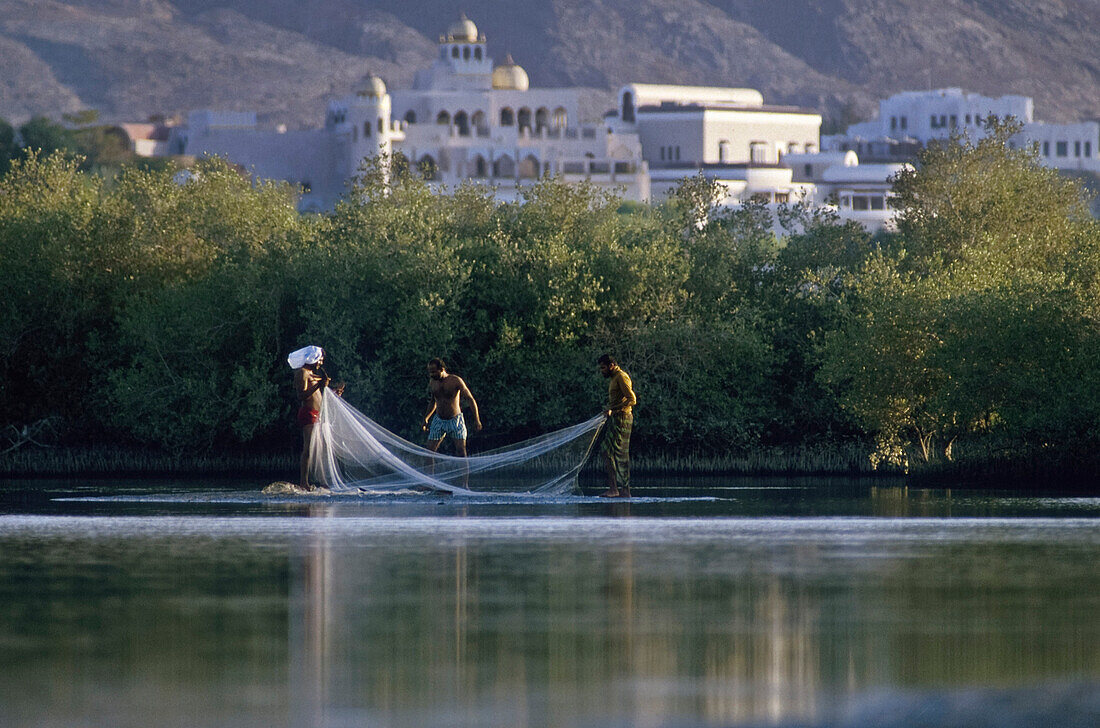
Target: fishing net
<point>350,451</point>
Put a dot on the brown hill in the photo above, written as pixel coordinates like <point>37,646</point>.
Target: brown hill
<point>284,58</point>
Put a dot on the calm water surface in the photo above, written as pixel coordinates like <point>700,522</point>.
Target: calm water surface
<point>770,602</point>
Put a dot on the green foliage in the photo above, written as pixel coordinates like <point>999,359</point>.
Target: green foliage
<point>982,322</point>
<point>159,308</point>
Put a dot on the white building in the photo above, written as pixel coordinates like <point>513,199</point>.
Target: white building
<point>910,120</point>
<point>468,120</point>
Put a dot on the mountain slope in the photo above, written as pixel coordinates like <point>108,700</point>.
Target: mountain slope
<point>284,58</point>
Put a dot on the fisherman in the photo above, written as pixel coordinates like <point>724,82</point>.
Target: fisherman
<point>447,390</point>
<point>309,384</point>
<point>620,420</point>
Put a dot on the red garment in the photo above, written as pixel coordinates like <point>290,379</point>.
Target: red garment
<point>307,416</point>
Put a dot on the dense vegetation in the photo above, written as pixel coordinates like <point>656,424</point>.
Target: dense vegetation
<point>158,308</point>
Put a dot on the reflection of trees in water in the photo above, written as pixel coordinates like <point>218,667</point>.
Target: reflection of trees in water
<point>543,632</point>
<point>580,633</point>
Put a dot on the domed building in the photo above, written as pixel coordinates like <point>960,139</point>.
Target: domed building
<point>468,120</point>
<point>510,76</point>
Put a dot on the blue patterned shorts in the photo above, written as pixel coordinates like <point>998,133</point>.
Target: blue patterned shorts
<point>455,427</point>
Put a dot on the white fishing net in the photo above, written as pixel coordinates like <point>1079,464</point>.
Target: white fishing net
<point>350,451</point>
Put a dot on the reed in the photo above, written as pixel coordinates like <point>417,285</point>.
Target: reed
<point>79,461</point>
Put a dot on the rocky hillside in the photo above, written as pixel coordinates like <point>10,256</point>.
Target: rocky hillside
<point>133,58</point>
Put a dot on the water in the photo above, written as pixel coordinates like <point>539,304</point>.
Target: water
<point>748,602</point>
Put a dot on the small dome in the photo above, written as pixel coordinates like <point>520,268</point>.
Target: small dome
<point>508,75</point>
<point>376,87</point>
<point>463,30</point>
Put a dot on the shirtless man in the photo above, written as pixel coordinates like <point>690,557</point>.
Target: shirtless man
<point>447,390</point>
<point>309,387</point>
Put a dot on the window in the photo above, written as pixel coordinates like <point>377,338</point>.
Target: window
<point>542,118</point>
<point>1088,149</point>
<point>1077,149</point>
<point>507,117</point>
<point>466,53</point>
<point>381,125</point>
<point>893,123</point>
<point>723,151</point>
<point>954,121</point>
<point>809,170</point>
<point>905,122</point>
<point>504,167</point>
<point>877,203</point>
<point>477,53</point>
<point>410,117</point>
<point>859,202</point>
<point>366,129</point>
<point>443,118</point>
<point>933,121</point>
<point>523,119</point>
<point>677,154</point>
<point>561,118</point>
<point>628,107</point>
<point>462,123</point>
<point>758,153</point>
<point>782,196</point>
<point>454,52</point>
<point>662,154</point>
<point>1046,149</point>
<point>968,119</point>
<point>1061,149</point>
<point>428,168</point>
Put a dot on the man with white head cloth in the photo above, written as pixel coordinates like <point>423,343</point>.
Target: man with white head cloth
<point>309,387</point>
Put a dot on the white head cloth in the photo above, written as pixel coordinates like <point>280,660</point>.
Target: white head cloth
<point>305,355</point>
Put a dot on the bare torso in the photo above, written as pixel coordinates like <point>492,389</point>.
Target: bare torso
<point>446,392</point>
<point>303,380</point>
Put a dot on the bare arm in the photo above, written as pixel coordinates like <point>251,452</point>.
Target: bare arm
<point>464,391</point>
<point>431,411</point>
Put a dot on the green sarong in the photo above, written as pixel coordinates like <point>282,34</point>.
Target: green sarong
<point>616,446</point>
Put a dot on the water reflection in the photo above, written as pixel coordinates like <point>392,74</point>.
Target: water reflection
<point>479,629</point>
<point>452,614</point>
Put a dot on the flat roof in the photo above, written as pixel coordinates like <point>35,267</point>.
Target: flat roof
<point>686,108</point>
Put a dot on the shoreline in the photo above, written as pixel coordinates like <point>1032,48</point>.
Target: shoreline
<point>1041,473</point>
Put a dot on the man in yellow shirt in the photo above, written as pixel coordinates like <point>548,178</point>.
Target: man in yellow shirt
<point>620,420</point>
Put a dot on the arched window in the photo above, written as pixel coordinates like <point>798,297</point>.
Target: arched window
<point>477,121</point>
<point>443,118</point>
<point>477,53</point>
<point>561,119</point>
<point>524,118</point>
<point>529,167</point>
<point>427,167</point>
<point>454,52</point>
<point>466,53</point>
<point>723,151</point>
<point>462,123</point>
<point>410,117</point>
<point>481,167</point>
<point>366,129</point>
<point>628,107</point>
<point>507,117</point>
<point>542,118</point>
<point>503,166</point>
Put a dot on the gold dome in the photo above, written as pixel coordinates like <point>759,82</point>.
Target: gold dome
<point>508,75</point>
<point>463,30</point>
